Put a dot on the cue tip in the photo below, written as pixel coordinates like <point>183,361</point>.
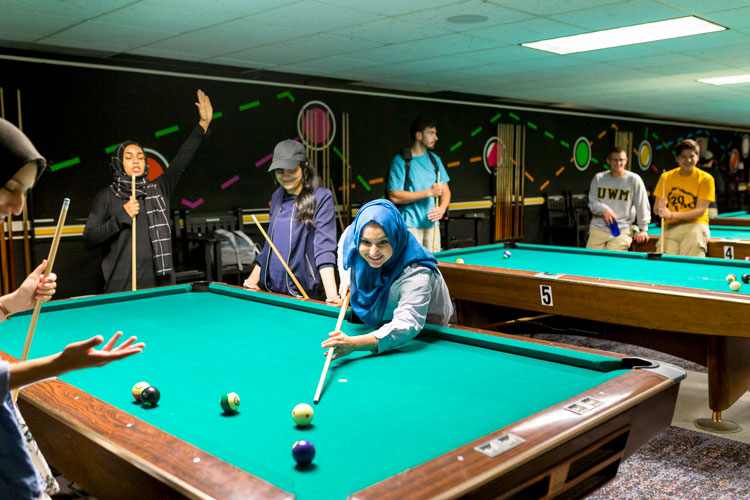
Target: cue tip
<point>66,203</point>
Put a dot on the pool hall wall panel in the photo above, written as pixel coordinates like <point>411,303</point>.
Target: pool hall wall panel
<point>74,113</point>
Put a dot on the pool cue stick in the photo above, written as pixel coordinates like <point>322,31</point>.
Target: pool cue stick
<point>26,248</point>
<point>11,255</point>
<point>47,271</point>
<point>3,257</point>
<point>10,271</point>
<point>435,229</point>
<point>278,255</point>
<point>132,250</point>
<point>3,250</point>
<point>329,354</point>
<point>664,195</point>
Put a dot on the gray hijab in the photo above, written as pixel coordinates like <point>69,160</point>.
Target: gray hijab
<point>16,150</point>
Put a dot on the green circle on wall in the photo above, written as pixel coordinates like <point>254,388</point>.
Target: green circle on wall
<point>582,153</point>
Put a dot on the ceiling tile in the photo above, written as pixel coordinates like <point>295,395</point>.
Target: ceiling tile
<point>229,37</point>
<point>547,7</point>
<point>78,9</point>
<point>309,13</point>
<point>446,45</point>
<point>389,31</point>
<point>732,19</point>
<point>438,16</point>
<point>33,27</point>
<point>300,49</point>
<point>162,18</point>
<point>392,7</point>
<point>703,6</point>
<point>626,13</point>
<point>530,30</point>
<point>93,32</point>
<point>222,8</point>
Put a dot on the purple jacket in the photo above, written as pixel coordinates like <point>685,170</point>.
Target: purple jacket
<point>312,248</point>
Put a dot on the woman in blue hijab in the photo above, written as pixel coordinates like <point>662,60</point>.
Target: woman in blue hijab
<point>395,284</point>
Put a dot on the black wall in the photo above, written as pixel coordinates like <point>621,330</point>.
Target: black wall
<point>77,112</point>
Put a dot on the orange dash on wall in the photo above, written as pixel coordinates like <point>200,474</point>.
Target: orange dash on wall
<point>529,177</point>
<point>559,171</point>
<point>453,164</point>
<point>541,188</point>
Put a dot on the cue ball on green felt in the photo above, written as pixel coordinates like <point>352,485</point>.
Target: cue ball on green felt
<point>735,286</point>
<point>730,278</point>
<point>150,396</point>
<point>459,261</point>
<point>138,389</point>
<point>302,414</point>
<point>230,402</point>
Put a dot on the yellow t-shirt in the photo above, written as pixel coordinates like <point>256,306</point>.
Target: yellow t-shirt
<point>683,192</point>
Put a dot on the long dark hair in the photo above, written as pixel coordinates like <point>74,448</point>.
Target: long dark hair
<point>305,203</point>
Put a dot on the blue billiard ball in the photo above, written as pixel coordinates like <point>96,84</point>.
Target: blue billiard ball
<point>506,254</point>
<point>303,452</point>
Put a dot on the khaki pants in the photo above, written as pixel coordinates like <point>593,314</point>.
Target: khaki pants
<point>424,235</point>
<point>686,238</point>
<point>603,240</point>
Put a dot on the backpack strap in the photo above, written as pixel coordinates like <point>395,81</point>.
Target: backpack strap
<point>434,162</point>
<point>406,156</point>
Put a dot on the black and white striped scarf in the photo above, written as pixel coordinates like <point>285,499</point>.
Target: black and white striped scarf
<point>156,208</point>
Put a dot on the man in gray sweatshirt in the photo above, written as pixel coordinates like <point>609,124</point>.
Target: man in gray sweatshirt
<point>617,198</point>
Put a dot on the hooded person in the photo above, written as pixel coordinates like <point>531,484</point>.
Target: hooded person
<point>109,224</point>
<point>395,284</point>
<point>302,226</point>
<point>24,473</point>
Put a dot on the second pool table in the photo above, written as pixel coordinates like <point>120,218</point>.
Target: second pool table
<point>727,242</point>
<point>679,305</point>
<point>454,412</point>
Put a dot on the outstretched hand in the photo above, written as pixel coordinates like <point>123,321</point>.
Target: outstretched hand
<point>83,355</point>
<point>205,109</point>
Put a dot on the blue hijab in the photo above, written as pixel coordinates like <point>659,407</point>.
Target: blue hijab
<point>370,286</point>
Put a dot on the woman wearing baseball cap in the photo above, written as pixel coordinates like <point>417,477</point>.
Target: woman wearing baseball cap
<point>302,226</point>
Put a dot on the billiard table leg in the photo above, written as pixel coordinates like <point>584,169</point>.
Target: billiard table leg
<point>728,379</point>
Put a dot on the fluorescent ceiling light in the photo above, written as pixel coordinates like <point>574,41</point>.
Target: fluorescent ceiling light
<point>629,35</point>
<point>726,80</point>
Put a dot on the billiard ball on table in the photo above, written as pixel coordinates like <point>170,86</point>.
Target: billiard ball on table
<point>303,452</point>
<point>138,389</point>
<point>230,402</point>
<point>735,286</point>
<point>746,278</point>
<point>731,278</point>
<point>506,254</point>
<point>302,414</point>
<point>150,396</point>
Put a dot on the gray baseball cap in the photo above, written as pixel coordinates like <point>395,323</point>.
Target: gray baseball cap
<point>288,155</point>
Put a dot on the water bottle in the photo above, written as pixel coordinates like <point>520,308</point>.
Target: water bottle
<point>615,228</point>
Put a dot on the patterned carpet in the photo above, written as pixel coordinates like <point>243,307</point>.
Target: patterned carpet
<point>680,464</point>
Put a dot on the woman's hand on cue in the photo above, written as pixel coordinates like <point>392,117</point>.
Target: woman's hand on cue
<point>34,287</point>
<point>132,207</point>
<point>341,343</point>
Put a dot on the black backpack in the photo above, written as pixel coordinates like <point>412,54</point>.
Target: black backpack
<point>406,155</point>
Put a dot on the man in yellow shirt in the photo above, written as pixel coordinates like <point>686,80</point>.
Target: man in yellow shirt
<point>682,198</point>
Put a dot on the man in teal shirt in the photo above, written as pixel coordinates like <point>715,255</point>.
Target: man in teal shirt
<point>413,189</point>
